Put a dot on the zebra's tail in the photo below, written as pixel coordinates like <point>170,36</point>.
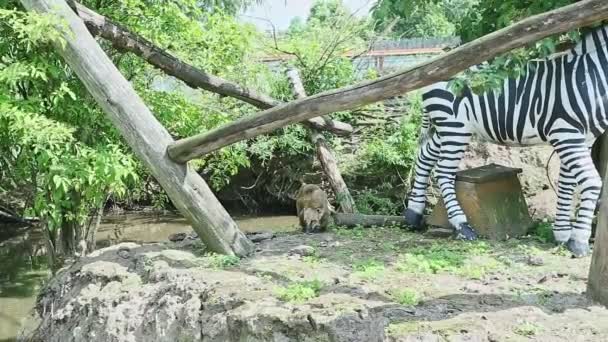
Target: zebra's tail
<point>425,128</point>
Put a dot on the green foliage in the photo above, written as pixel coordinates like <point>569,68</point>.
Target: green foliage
<point>319,47</point>
<point>543,231</point>
<point>300,292</point>
<point>408,297</point>
<point>368,269</point>
<point>491,15</point>
<point>372,201</point>
<point>445,257</point>
<point>420,18</point>
<point>527,329</point>
<point>221,261</point>
<point>471,19</point>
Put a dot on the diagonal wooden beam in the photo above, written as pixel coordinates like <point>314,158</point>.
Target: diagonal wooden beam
<point>124,40</point>
<point>437,69</point>
<point>143,133</point>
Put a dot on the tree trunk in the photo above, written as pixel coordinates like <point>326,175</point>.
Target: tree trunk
<point>125,40</point>
<point>597,288</point>
<point>437,69</point>
<point>91,232</point>
<point>144,134</point>
<point>325,155</point>
<point>353,220</point>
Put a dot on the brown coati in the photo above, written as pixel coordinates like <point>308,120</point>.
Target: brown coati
<point>313,208</point>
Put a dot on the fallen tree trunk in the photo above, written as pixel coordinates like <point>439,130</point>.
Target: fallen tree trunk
<point>353,220</point>
<point>143,133</point>
<point>437,69</point>
<point>124,40</point>
<point>325,155</point>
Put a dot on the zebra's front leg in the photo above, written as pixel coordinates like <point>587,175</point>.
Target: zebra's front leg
<point>452,151</point>
<point>576,158</point>
<point>562,228</point>
<point>428,155</point>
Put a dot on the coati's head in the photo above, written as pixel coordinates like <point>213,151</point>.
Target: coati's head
<point>312,219</point>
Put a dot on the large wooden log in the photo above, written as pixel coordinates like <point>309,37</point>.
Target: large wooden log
<point>353,220</point>
<point>437,69</point>
<point>597,288</point>
<point>124,40</point>
<point>325,154</point>
<point>143,133</point>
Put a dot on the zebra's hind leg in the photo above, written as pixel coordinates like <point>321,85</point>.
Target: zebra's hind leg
<point>562,228</point>
<point>453,147</point>
<point>428,155</point>
<point>576,158</point>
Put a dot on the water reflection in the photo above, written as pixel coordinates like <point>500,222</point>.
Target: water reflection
<point>22,275</point>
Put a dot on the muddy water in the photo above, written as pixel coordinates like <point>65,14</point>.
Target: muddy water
<point>21,276</point>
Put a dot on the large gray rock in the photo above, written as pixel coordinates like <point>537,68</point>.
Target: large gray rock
<point>159,294</point>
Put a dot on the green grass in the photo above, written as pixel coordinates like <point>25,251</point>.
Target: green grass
<point>357,232</point>
<point>300,292</point>
<point>369,269</point>
<point>313,260</point>
<point>221,261</point>
<point>527,329</point>
<point>543,232</point>
<point>406,297</point>
<point>441,257</point>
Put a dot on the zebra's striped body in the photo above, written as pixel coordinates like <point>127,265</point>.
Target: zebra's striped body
<point>561,101</point>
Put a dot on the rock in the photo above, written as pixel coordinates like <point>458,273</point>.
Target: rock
<point>303,250</point>
<point>124,253</point>
<point>259,237</point>
<point>493,338</point>
<point>163,294</point>
<point>535,261</point>
<point>177,237</point>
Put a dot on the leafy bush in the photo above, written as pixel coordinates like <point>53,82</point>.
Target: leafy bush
<point>406,297</point>
<point>300,292</point>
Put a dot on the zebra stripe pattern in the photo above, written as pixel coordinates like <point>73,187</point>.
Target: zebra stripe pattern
<point>561,100</point>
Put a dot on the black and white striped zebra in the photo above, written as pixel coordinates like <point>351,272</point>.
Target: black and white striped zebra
<point>561,100</point>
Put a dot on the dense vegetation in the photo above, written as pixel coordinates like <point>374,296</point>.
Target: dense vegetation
<point>62,161</point>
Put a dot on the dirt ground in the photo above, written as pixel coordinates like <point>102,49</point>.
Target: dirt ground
<point>380,284</point>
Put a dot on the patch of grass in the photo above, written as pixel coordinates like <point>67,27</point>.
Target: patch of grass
<point>368,269</point>
<point>440,257</point>
<point>402,329</point>
<point>543,232</point>
<point>530,250</point>
<point>527,329</point>
<point>312,260</point>
<point>357,232</point>
<point>477,269</point>
<point>300,292</point>
<point>561,250</point>
<point>221,261</point>
<point>407,297</point>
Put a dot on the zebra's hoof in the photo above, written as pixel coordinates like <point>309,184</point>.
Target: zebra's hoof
<point>465,232</point>
<point>414,220</point>
<point>578,249</point>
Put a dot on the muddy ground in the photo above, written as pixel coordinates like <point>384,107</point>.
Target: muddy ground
<point>343,285</point>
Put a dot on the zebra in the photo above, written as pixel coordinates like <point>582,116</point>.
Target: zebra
<point>561,100</point>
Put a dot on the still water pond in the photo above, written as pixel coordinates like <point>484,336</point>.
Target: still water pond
<point>21,276</point>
